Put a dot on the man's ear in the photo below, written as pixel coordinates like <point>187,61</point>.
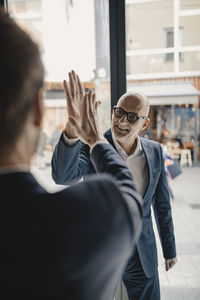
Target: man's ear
<point>146,124</point>
<point>39,109</point>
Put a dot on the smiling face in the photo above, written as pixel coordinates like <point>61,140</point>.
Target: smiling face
<point>124,131</point>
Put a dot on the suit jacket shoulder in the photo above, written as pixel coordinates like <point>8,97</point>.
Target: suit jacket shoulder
<point>153,153</point>
<point>150,143</point>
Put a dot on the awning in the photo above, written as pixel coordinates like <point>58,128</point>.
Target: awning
<point>168,93</point>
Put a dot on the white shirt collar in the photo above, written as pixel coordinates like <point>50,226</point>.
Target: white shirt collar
<point>121,150</point>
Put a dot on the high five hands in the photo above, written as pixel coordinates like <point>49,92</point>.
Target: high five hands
<point>83,121</point>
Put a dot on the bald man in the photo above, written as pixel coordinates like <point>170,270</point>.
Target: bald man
<point>145,161</point>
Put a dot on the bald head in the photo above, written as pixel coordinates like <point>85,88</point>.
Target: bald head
<point>136,102</point>
<point>124,130</point>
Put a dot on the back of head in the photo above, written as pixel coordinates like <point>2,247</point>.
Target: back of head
<point>21,76</point>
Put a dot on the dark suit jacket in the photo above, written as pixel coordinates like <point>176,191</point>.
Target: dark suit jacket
<point>73,244</point>
<point>65,171</point>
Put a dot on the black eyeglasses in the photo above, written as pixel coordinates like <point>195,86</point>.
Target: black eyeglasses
<point>131,116</point>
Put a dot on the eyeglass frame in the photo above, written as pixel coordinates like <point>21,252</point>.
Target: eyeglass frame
<point>127,113</point>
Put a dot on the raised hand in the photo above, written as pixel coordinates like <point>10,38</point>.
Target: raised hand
<point>87,127</point>
<point>74,96</point>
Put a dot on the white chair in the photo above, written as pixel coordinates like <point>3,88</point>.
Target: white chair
<point>186,157</point>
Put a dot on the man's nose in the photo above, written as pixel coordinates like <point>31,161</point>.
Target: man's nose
<point>123,119</point>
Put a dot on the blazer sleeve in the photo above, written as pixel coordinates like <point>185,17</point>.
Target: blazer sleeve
<point>163,214</point>
<point>106,159</point>
<point>70,163</point>
<point>108,213</point>
<point>97,223</point>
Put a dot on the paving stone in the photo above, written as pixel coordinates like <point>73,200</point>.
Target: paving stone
<point>173,293</point>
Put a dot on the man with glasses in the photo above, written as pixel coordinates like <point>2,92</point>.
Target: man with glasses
<point>144,158</point>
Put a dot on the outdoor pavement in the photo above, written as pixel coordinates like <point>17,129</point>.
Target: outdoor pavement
<point>183,281</point>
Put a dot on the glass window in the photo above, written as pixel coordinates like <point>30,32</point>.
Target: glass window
<point>145,21</point>
<point>191,61</point>
<point>71,35</point>
<point>156,63</point>
<point>171,122</point>
<point>189,4</point>
<point>191,34</point>
<point>169,36</point>
<point>169,41</point>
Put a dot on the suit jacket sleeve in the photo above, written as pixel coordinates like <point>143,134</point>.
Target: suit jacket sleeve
<point>108,218</point>
<point>70,163</point>
<point>163,214</point>
<point>100,220</point>
<point>106,159</point>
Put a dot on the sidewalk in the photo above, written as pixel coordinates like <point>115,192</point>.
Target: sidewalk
<point>183,281</point>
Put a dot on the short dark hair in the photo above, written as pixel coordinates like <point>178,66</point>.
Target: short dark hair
<point>21,77</point>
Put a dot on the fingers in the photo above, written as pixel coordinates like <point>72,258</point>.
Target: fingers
<point>89,111</point>
<point>97,104</point>
<point>166,265</point>
<point>91,104</point>
<point>75,96</point>
<point>172,262</point>
<point>84,106</point>
<point>72,84</point>
<point>68,95</point>
<point>81,87</point>
<point>76,86</point>
<point>169,263</point>
<point>75,77</point>
<point>92,113</point>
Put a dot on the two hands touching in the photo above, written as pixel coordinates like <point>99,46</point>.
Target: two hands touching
<point>83,121</point>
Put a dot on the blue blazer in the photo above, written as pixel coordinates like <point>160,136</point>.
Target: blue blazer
<point>73,244</point>
<point>70,164</point>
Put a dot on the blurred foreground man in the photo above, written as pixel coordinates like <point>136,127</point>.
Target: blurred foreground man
<point>72,244</point>
<point>145,161</point>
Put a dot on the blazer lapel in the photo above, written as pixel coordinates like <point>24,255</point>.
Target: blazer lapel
<point>108,136</point>
<point>148,153</point>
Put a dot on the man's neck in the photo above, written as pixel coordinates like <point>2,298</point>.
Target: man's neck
<point>13,156</point>
<point>14,168</point>
<point>129,148</point>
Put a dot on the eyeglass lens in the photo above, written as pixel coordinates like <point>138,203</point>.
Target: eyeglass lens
<point>131,117</point>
